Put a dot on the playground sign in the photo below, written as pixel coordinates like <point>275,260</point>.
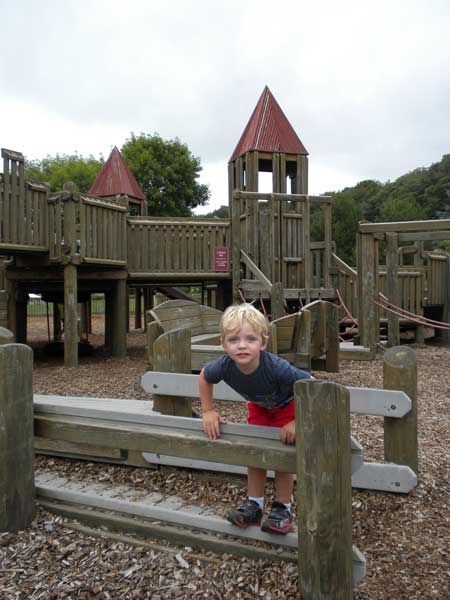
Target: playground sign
<point>221,259</point>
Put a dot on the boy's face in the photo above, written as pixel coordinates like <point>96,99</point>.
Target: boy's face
<point>243,346</point>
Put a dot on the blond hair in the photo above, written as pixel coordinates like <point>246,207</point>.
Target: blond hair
<point>236,315</point>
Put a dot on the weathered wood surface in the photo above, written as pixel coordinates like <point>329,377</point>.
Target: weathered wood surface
<point>229,448</point>
<point>400,435</point>
<point>324,490</point>
<point>141,412</point>
<point>172,353</point>
<point>6,336</point>
<point>17,492</point>
<point>369,401</point>
<point>82,503</point>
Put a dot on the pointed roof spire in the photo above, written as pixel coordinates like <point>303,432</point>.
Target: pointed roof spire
<point>115,178</point>
<point>268,130</point>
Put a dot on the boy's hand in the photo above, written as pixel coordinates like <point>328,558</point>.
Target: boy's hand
<point>287,433</point>
<point>211,424</point>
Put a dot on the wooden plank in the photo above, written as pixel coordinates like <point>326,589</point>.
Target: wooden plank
<point>381,477</point>
<point>230,449</point>
<point>262,279</point>
<point>368,401</point>
<point>405,226</point>
<point>424,236</point>
<point>105,522</point>
<point>43,445</point>
<point>324,491</point>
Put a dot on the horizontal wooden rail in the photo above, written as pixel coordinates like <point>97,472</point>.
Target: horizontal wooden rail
<point>367,401</point>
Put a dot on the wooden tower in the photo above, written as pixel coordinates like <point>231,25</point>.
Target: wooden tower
<point>271,231</point>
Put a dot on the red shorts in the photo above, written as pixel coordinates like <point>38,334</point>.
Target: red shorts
<point>278,417</point>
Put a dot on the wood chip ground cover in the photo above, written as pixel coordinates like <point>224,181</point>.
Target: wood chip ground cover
<point>404,538</point>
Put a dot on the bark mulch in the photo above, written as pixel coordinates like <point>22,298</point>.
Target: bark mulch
<point>405,538</point>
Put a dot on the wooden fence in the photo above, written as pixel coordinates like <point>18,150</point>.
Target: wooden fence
<point>23,208</point>
<point>102,231</point>
<point>175,246</point>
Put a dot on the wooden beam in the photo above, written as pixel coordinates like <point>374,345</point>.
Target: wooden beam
<point>424,236</point>
<point>404,226</point>
<point>392,287</point>
<point>229,448</point>
<point>262,279</point>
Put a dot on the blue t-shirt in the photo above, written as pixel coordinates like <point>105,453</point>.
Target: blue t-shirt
<point>270,386</point>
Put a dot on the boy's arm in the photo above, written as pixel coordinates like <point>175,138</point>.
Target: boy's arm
<point>211,418</point>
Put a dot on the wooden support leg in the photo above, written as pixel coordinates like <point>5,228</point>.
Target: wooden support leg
<point>332,338</point>
<point>119,326</point>
<point>400,435</point>
<point>148,302</point>
<point>57,328</point>
<point>16,438</point>
<point>137,308</point>
<point>21,317</point>
<point>324,493</point>
<point>70,316</point>
<point>108,319</point>
<point>11,288</point>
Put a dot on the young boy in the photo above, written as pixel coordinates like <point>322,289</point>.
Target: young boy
<point>266,381</point>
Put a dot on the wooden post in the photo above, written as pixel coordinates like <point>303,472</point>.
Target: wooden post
<point>148,302</point>
<point>400,435</point>
<point>331,317</point>
<point>108,319</point>
<point>277,307</point>
<point>172,354</point>
<point>324,493</point>
<point>57,330</point>
<point>235,246</point>
<point>119,325</point>
<point>392,287</point>
<point>11,289</point>
<point>17,492</point>
<point>328,243</point>
<point>21,316</point>
<point>445,334</point>
<point>71,337</point>
<point>368,314</point>
<point>137,308</point>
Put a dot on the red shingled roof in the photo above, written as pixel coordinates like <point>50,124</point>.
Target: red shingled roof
<point>115,178</point>
<point>268,130</point>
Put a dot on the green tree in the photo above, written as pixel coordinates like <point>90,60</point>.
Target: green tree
<point>401,208</point>
<point>167,173</point>
<point>222,212</point>
<point>61,168</point>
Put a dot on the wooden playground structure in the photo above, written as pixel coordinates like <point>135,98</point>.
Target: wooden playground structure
<point>129,432</point>
<point>67,246</point>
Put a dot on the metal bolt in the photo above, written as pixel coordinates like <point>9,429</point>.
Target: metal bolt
<point>393,406</point>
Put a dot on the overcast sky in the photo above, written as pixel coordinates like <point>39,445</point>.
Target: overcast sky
<point>365,84</point>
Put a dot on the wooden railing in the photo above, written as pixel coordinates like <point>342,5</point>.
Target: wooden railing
<point>102,231</point>
<point>174,247</point>
<point>23,208</point>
